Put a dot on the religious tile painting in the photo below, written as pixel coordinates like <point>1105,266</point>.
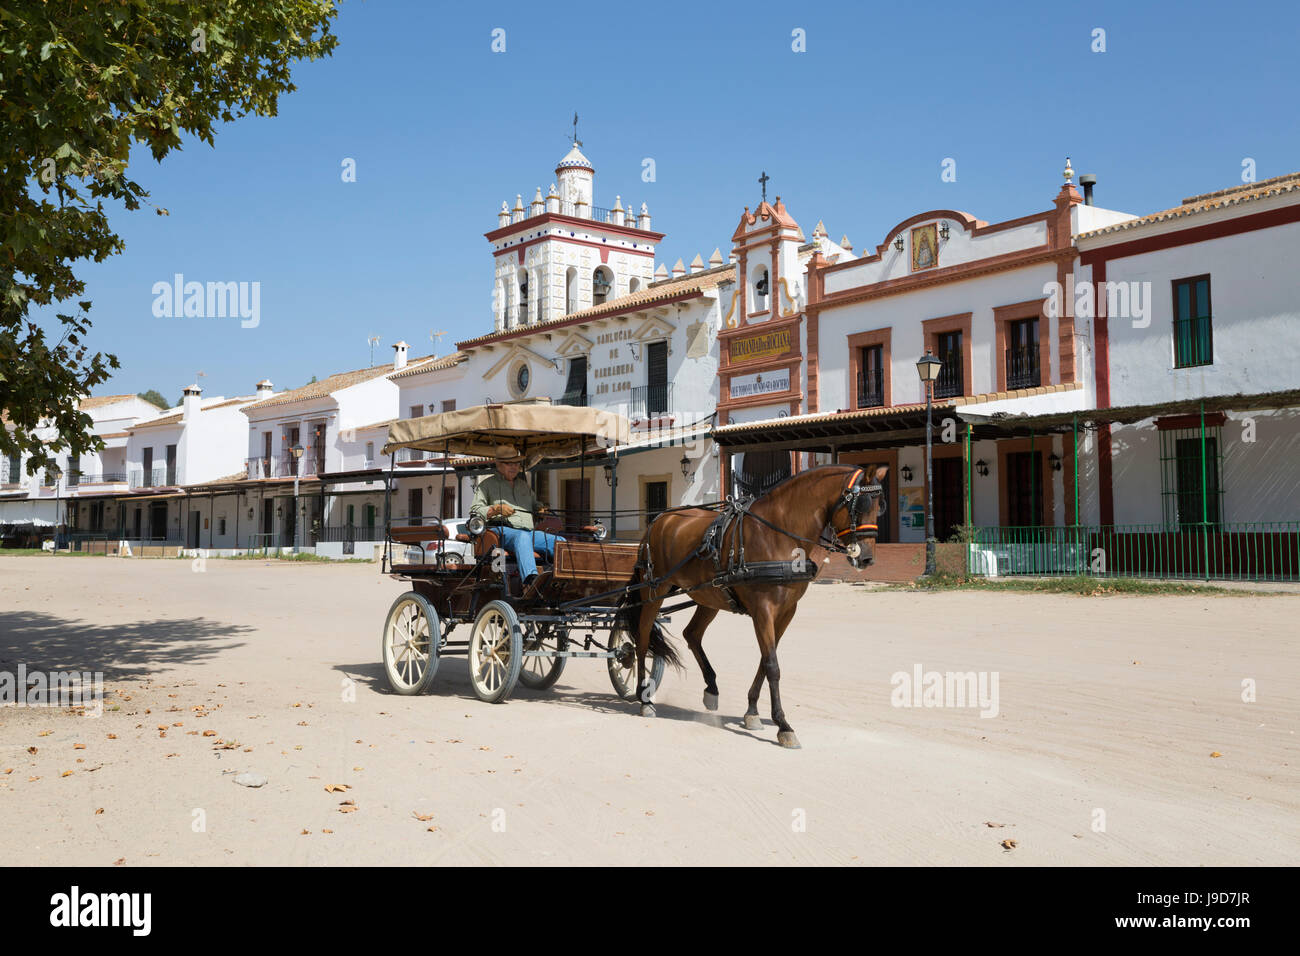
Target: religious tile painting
<point>925,247</point>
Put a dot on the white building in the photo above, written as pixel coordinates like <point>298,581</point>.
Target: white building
<point>46,499</point>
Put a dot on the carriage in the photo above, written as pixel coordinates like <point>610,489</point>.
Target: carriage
<point>477,606</point>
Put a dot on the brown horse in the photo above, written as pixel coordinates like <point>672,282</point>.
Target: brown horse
<point>835,505</point>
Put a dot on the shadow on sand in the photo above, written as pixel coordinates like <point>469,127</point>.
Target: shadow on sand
<point>47,642</point>
<point>452,681</point>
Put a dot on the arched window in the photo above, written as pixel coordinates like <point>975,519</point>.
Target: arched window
<point>571,290</point>
<point>523,297</point>
<point>633,284</point>
<point>602,286</point>
<point>760,289</point>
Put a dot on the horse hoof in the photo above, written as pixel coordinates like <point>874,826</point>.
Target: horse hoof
<point>647,710</point>
<point>787,739</point>
<point>710,701</point>
<point>753,722</point>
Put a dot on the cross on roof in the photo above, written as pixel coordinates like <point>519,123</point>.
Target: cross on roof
<point>762,180</point>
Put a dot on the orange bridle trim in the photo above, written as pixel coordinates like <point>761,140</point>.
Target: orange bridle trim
<point>861,527</point>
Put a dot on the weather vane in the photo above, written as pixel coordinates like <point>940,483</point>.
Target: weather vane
<point>576,141</point>
<point>762,181</point>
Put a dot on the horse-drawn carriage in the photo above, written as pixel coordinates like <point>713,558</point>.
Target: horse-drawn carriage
<point>515,634</point>
<point>605,599</point>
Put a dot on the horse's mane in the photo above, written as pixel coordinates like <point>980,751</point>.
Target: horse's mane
<point>799,474</point>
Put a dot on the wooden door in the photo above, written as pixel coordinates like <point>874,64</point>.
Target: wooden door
<point>949,497</point>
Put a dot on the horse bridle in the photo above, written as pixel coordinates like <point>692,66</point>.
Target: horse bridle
<point>857,498</point>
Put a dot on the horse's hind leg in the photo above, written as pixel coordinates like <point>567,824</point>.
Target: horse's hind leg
<point>785,733</point>
<point>694,634</point>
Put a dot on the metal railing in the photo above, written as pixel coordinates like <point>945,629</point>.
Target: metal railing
<point>1239,551</point>
<point>351,532</point>
<point>96,478</point>
<point>152,478</point>
<point>1023,369</point>
<point>573,398</point>
<point>649,401</point>
<point>1193,342</point>
<point>949,383</point>
<point>871,388</point>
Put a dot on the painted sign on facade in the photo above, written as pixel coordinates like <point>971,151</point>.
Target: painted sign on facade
<point>767,345</point>
<point>747,386</point>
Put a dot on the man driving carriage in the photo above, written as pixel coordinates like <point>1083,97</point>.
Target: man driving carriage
<point>506,502</point>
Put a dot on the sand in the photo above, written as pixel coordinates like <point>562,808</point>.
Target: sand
<point>1109,712</point>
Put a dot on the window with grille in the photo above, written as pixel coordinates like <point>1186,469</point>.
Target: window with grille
<point>656,499</point>
<point>949,383</point>
<point>1193,328</point>
<point>871,377</point>
<point>1022,354</point>
<point>575,389</point>
<point>1191,477</point>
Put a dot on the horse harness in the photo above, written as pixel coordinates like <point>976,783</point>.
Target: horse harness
<point>738,571</point>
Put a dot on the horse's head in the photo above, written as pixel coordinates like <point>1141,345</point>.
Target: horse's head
<point>855,515</point>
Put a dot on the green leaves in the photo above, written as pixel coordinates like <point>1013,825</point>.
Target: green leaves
<point>79,83</point>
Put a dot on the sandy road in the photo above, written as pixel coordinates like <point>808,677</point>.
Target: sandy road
<point>1108,712</point>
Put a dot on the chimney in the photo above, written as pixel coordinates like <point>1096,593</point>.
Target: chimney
<point>190,402</point>
<point>399,356</point>
<point>265,389</point>
<point>1087,182</point>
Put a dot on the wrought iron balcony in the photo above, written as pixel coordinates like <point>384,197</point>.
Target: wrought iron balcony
<point>871,388</point>
<point>1023,367</point>
<point>949,384</point>
<point>96,478</point>
<point>153,478</point>
<point>573,398</point>
<point>651,401</point>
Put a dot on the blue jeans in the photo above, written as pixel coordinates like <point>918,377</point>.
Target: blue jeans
<point>522,544</point>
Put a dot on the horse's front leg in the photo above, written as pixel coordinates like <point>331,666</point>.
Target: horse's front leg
<point>694,634</point>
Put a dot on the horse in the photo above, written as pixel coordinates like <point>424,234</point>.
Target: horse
<point>772,537</point>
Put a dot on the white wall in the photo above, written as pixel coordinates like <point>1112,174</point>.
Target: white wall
<point>1255,301</point>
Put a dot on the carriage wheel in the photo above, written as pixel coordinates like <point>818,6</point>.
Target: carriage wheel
<point>539,673</point>
<point>496,648</point>
<point>622,667</point>
<point>410,644</point>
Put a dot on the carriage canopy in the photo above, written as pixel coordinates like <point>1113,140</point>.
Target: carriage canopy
<point>536,429</point>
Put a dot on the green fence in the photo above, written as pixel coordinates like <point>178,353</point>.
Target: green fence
<point>1268,551</point>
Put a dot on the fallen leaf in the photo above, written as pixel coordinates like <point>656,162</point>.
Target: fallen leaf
<point>302,723</point>
<point>31,750</point>
<point>178,724</point>
<point>45,733</point>
<point>990,823</point>
<point>431,830</point>
<point>326,831</point>
<point>337,788</point>
<point>66,773</point>
<point>99,811</point>
<point>422,817</point>
<point>30,779</point>
<point>305,833</point>
<point>119,862</point>
<point>358,768</point>
<point>78,746</point>
<point>209,733</point>
<point>1008,844</point>
<point>1215,754</point>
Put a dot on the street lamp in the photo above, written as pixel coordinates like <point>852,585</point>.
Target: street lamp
<point>686,467</point>
<point>297,515</point>
<point>927,367</point>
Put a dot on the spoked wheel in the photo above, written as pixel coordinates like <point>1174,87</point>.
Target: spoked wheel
<point>410,644</point>
<point>539,673</point>
<point>496,652</point>
<point>622,667</point>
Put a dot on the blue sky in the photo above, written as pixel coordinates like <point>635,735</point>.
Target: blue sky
<point>852,131</point>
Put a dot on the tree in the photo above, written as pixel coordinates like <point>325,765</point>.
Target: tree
<point>153,396</point>
<point>80,83</point>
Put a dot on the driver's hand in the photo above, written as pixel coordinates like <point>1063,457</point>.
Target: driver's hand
<point>505,510</point>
